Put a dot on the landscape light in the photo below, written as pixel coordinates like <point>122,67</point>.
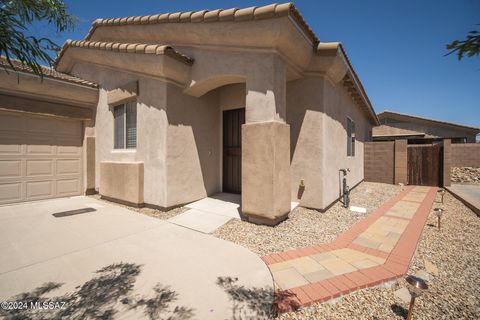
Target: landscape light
<point>438,213</point>
<point>416,286</point>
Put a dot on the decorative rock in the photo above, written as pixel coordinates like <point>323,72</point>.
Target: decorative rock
<point>422,274</point>
<point>403,294</point>
<point>465,175</point>
<point>430,267</point>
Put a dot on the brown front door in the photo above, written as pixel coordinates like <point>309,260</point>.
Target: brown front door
<point>424,164</point>
<point>232,150</point>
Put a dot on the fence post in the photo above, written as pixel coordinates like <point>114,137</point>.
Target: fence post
<point>447,161</point>
<point>401,161</point>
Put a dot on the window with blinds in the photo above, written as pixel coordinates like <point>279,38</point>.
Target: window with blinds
<point>350,138</point>
<point>131,125</point>
<point>125,126</point>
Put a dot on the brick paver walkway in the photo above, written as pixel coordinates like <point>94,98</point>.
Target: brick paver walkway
<point>375,250</point>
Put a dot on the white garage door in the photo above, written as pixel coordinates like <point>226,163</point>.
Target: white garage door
<point>40,157</point>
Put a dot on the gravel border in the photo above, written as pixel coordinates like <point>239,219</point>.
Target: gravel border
<point>453,294</point>
<point>156,213</point>
<point>306,227</point>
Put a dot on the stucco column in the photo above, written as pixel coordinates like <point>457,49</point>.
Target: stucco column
<point>266,145</point>
<point>89,157</point>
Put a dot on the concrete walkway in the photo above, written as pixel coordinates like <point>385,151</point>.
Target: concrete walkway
<point>469,194</point>
<point>96,260</point>
<point>375,250</point>
<point>208,214</point>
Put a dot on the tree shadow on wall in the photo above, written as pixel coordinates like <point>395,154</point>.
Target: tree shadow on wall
<point>248,303</point>
<point>100,297</point>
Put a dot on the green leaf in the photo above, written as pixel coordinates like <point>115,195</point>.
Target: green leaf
<point>16,16</point>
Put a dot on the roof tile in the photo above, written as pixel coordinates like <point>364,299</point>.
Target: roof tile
<point>47,72</point>
<point>245,14</point>
<point>127,48</point>
<point>227,15</point>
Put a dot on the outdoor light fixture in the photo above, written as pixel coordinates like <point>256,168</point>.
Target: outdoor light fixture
<point>416,286</point>
<point>438,213</point>
<point>442,193</point>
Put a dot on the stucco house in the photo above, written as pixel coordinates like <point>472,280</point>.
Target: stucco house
<point>415,129</point>
<point>170,108</point>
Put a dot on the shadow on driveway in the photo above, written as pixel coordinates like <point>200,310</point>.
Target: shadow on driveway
<point>98,297</point>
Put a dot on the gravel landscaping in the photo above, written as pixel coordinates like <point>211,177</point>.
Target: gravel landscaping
<point>164,215</point>
<point>465,175</point>
<point>453,293</point>
<point>306,227</point>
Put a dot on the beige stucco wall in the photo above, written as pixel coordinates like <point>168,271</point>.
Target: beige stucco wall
<point>151,123</point>
<point>317,112</point>
<point>193,146</point>
<point>265,160</point>
<point>178,137</point>
<point>232,96</point>
<point>122,181</point>
<point>305,116</point>
<point>339,106</point>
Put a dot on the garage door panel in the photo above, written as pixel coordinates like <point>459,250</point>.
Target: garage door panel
<point>10,168</point>
<point>39,189</point>
<point>40,147</point>
<point>40,157</point>
<point>10,192</point>
<point>10,144</point>
<point>68,187</point>
<point>69,147</point>
<point>39,167</point>
<point>11,149</point>
<point>68,166</point>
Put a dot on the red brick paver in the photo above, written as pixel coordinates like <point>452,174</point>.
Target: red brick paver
<point>395,264</point>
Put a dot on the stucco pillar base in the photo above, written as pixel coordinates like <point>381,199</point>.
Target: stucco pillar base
<point>267,221</point>
<point>266,172</point>
<point>122,182</point>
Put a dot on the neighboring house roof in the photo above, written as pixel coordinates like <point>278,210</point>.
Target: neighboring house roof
<point>388,131</point>
<point>47,72</point>
<point>128,48</point>
<point>407,117</point>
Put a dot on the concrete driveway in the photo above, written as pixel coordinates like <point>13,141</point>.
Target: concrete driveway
<point>116,262</point>
<point>469,194</point>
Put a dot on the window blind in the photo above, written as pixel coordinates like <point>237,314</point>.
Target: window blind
<point>131,124</point>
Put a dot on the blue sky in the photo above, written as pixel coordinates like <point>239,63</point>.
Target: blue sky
<point>397,47</point>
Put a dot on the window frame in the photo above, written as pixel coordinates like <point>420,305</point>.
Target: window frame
<point>351,137</point>
<point>124,145</point>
